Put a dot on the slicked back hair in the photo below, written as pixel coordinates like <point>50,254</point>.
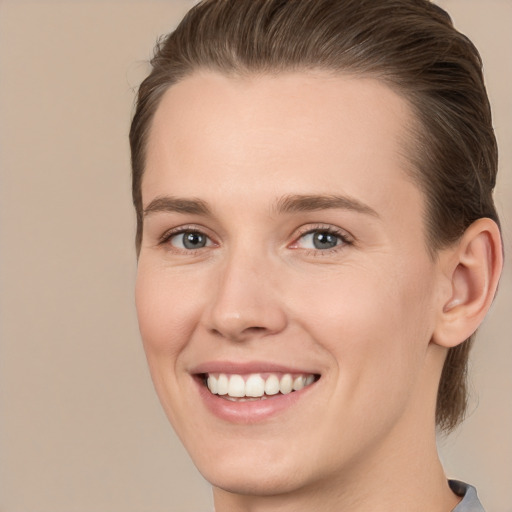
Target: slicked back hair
<point>412,46</point>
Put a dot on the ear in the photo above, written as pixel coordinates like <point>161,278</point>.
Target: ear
<point>472,267</point>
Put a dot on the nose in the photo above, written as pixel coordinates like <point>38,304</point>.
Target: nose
<point>245,301</point>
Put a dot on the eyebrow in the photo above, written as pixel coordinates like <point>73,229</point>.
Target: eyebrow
<point>311,203</point>
<point>286,204</point>
<point>177,205</point>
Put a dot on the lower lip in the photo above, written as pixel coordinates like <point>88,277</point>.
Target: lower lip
<point>251,411</point>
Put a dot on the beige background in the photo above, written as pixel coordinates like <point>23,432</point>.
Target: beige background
<point>80,426</point>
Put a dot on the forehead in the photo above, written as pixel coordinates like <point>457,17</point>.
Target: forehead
<point>286,132</point>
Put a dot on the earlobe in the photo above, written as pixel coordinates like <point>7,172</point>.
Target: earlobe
<point>473,271</point>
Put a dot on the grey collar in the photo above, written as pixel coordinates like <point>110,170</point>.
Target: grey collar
<point>470,501</point>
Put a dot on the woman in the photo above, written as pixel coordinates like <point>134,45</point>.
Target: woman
<point>317,245</point>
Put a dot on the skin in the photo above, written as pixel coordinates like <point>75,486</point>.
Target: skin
<point>369,315</point>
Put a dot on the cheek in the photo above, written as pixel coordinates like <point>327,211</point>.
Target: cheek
<point>374,322</point>
<point>167,311</point>
<point>377,336</point>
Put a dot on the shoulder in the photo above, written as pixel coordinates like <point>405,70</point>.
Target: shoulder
<point>470,501</point>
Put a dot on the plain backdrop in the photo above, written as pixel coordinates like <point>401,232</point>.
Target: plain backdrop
<point>80,426</point>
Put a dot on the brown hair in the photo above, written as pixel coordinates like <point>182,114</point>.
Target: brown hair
<point>409,44</point>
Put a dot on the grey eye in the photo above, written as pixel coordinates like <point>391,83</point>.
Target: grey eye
<point>189,240</point>
<point>323,240</point>
<point>320,240</point>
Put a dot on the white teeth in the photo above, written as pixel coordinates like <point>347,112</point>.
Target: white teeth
<point>236,386</point>
<point>254,386</point>
<point>286,384</point>
<point>298,383</point>
<point>213,384</point>
<point>222,384</point>
<point>272,385</point>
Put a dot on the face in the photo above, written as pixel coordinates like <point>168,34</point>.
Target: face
<point>285,293</point>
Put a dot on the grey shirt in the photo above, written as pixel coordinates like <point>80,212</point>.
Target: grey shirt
<point>470,501</point>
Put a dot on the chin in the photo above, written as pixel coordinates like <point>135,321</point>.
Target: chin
<point>263,470</point>
<point>250,481</point>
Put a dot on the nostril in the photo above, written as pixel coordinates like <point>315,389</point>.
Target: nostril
<point>247,332</point>
<point>255,329</point>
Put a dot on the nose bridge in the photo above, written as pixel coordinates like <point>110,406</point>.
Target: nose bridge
<point>244,302</point>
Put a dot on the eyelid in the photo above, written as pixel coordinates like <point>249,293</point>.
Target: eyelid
<point>345,237</point>
<point>187,228</point>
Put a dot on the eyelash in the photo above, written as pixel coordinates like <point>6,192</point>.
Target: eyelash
<point>343,237</point>
<point>166,237</point>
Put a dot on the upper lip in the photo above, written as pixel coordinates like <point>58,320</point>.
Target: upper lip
<point>247,367</point>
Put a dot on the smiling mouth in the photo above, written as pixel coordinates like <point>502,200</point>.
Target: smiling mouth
<point>255,386</point>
